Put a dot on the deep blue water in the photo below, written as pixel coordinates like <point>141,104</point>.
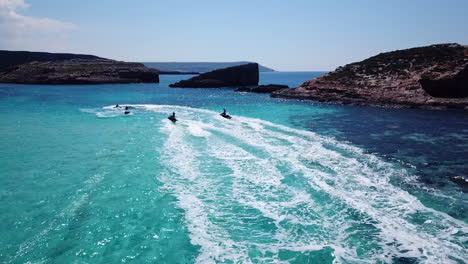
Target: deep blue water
<point>284,181</point>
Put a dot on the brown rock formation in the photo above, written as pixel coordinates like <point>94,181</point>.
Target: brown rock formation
<point>242,75</point>
<point>428,77</point>
<point>79,71</point>
<point>11,58</point>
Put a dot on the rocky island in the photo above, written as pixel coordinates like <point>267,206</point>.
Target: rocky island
<point>434,76</point>
<point>78,71</point>
<point>10,58</point>
<point>242,75</point>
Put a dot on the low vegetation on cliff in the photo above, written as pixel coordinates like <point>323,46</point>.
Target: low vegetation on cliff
<point>428,77</point>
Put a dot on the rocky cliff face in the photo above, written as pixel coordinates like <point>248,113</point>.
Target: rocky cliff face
<point>11,58</point>
<point>428,77</point>
<point>242,75</point>
<point>79,71</point>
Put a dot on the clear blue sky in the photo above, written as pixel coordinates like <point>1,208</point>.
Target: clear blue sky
<point>285,35</point>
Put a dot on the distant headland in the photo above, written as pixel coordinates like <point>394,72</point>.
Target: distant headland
<point>24,67</point>
<point>79,71</point>
<point>11,58</point>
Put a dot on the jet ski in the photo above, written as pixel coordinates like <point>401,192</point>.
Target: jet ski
<point>225,115</point>
<point>172,118</point>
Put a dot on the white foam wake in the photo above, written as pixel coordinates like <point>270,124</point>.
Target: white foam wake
<point>252,190</point>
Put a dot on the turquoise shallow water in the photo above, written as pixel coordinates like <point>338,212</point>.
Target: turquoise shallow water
<point>282,182</point>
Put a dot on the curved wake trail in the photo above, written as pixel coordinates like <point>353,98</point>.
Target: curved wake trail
<point>254,191</point>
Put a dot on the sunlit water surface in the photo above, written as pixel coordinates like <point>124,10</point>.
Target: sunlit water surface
<point>283,181</point>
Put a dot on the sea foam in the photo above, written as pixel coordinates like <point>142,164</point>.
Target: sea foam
<point>252,190</point>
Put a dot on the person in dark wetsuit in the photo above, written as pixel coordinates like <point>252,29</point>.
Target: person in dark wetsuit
<point>224,114</point>
<point>116,106</point>
<point>172,117</point>
<point>126,111</point>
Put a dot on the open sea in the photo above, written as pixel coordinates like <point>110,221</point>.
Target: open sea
<point>283,181</point>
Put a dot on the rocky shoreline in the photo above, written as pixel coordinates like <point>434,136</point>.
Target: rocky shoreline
<point>268,88</point>
<point>433,77</point>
